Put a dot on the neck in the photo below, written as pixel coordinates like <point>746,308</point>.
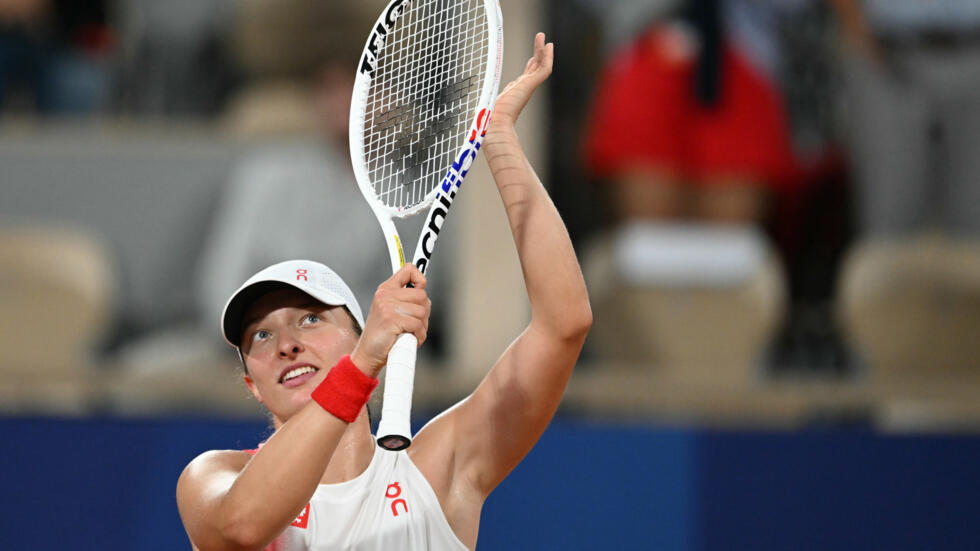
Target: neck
<point>353,453</point>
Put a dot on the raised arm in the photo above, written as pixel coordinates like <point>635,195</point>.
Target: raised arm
<point>493,429</point>
<point>559,301</point>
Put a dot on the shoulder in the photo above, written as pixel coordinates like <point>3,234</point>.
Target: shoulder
<point>202,486</point>
<point>210,464</point>
<point>223,457</point>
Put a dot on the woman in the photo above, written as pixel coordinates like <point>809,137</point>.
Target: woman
<point>320,482</point>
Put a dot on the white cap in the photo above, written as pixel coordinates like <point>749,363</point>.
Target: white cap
<point>312,278</point>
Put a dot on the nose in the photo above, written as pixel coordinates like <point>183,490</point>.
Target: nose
<point>289,345</point>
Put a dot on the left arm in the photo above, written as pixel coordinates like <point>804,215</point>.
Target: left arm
<point>492,430</point>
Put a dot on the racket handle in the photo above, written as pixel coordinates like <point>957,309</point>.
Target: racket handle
<point>395,429</point>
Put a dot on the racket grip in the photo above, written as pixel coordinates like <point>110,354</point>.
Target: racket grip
<point>395,429</point>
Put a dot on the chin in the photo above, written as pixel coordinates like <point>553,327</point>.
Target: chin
<point>300,400</point>
<point>290,406</point>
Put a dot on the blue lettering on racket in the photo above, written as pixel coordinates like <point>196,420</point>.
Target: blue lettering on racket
<point>450,183</point>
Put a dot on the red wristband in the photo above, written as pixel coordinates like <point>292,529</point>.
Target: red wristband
<point>345,390</point>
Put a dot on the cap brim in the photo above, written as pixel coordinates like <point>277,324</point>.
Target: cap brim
<point>233,321</point>
<point>312,278</point>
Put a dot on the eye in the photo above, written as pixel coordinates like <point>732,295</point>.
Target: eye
<point>311,318</point>
<point>260,335</point>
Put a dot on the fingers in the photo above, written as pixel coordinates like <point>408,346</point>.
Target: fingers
<point>408,274</point>
<point>400,305</point>
<point>396,309</point>
<point>413,318</point>
<point>402,310</point>
<point>408,295</point>
<point>516,94</point>
<point>542,50</point>
<point>544,57</point>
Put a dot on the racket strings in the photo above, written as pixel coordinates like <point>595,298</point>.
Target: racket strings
<point>423,98</point>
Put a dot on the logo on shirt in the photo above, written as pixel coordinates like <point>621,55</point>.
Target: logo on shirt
<point>393,491</point>
<point>303,519</point>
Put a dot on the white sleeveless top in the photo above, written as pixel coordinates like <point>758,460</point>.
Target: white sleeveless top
<point>388,506</point>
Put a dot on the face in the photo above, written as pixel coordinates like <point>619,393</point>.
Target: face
<point>289,342</point>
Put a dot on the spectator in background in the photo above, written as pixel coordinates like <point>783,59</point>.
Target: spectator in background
<point>912,72</point>
<point>689,133</point>
<point>688,126</point>
<point>910,290</point>
<point>54,56</point>
<point>295,190</point>
<point>297,58</point>
<point>174,57</point>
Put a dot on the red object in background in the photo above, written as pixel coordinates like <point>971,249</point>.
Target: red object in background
<point>94,39</point>
<point>646,113</point>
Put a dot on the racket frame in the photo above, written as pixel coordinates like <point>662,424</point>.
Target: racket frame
<point>394,430</point>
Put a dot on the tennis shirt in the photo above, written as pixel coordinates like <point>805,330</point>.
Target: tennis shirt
<point>388,506</point>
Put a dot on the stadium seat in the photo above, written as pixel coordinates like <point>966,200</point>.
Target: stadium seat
<point>912,311</point>
<point>712,334</point>
<point>56,290</point>
<point>912,308</point>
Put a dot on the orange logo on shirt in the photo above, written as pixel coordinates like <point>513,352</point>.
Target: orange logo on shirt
<point>303,519</point>
<point>393,491</point>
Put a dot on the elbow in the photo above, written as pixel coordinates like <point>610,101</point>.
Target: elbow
<point>576,322</point>
<point>214,518</point>
<point>243,540</point>
<point>584,323</point>
<point>243,534</point>
<point>231,539</point>
<point>567,322</point>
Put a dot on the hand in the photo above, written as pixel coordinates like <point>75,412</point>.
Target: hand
<point>515,96</point>
<point>396,309</point>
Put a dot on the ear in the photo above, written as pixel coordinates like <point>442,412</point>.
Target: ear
<point>251,386</point>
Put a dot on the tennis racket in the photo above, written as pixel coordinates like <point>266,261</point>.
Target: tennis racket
<point>422,99</point>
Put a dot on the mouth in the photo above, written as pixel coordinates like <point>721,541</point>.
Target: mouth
<point>296,375</point>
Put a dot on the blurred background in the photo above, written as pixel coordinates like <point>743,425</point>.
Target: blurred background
<point>776,204</point>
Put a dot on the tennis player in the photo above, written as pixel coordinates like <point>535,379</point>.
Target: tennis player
<point>321,482</point>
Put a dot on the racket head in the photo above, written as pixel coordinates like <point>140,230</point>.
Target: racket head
<point>429,69</point>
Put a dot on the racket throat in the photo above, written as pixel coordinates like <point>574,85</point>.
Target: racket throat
<point>400,249</point>
<point>435,220</point>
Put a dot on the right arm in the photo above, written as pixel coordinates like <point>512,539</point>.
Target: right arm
<point>229,501</point>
